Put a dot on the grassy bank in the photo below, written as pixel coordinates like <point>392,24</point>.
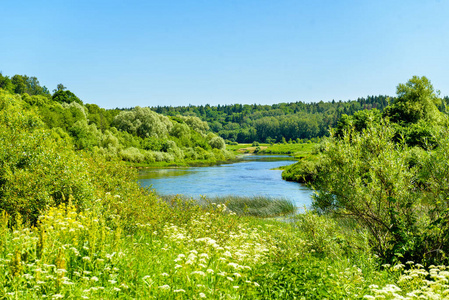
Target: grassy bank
<point>300,150</point>
<point>199,252</point>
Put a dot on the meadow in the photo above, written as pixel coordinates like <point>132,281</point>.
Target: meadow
<point>199,253</point>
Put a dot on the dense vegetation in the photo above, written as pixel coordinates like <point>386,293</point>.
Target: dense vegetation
<point>275,123</point>
<point>138,135</point>
<point>75,224</point>
<point>388,171</point>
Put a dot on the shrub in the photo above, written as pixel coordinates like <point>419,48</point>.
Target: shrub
<point>36,171</point>
<point>132,154</point>
<point>401,201</point>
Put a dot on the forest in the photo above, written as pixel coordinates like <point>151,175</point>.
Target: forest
<point>75,224</point>
<point>296,121</point>
<point>136,135</point>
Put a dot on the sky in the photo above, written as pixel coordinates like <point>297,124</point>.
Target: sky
<point>181,52</point>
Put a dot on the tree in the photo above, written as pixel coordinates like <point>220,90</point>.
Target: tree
<point>417,100</point>
<point>5,83</point>
<point>143,122</point>
<point>62,96</point>
<point>60,87</point>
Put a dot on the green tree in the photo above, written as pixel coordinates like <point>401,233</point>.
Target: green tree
<point>37,168</point>
<point>143,122</point>
<point>62,96</point>
<point>417,100</point>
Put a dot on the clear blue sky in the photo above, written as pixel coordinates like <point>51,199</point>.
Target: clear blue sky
<point>148,53</point>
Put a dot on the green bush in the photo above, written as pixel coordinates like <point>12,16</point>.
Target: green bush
<point>36,170</point>
<point>395,192</point>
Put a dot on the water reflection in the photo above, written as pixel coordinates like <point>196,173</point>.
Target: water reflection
<point>254,175</point>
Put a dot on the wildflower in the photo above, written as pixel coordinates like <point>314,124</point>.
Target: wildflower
<point>210,271</point>
<point>57,296</point>
<point>94,278</point>
<point>109,256</point>
<point>256,284</point>
<point>165,287</point>
<point>230,278</point>
<point>112,281</point>
<point>178,266</point>
<point>116,289</point>
<point>199,273</point>
<point>236,286</point>
<point>179,291</point>
<point>202,295</point>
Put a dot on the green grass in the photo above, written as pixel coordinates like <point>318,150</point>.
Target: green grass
<point>299,151</point>
<point>199,253</point>
<point>257,206</point>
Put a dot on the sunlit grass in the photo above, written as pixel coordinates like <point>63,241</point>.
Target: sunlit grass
<point>257,206</point>
<point>200,252</point>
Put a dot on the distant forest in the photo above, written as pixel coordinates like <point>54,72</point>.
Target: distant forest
<point>242,123</point>
<point>275,123</point>
<point>281,122</point>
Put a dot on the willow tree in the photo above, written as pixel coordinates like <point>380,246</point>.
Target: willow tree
<point>143,122</point>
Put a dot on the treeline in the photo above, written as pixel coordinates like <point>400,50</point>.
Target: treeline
<point>388,172</point>
<point>275,123</point>
<point>138,135</point>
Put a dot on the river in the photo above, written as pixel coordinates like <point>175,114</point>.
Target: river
<point>253,175</point>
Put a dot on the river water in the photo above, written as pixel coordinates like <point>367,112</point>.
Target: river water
<point>250,177</point>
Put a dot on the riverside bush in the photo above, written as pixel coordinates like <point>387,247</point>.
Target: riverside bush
<point>396,192</point>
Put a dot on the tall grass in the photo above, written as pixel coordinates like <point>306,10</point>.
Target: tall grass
<point>257,206</point>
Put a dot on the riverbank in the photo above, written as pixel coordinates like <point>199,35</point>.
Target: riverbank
<point>298,151</point>
<point>252,176</point>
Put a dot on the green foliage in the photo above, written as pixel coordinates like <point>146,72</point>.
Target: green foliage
<point>22,84</point>
<point>143,122</point>
<point>217,142</point>
<point>385,186</point>
<point>379,172</point>
<point>68,97</point>
<point>417,100</point>
<point>247,123</point>
<point>359,121</point>
<point>37,170</point>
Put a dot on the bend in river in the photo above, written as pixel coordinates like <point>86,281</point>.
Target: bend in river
<point>253,176</point>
